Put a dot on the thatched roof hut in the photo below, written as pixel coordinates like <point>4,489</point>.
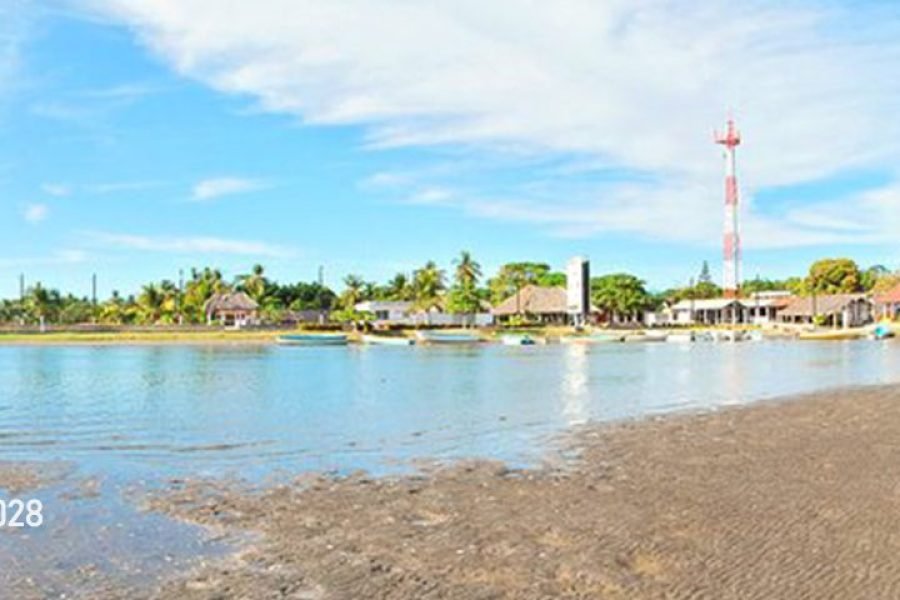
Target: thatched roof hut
<point>546,303</point>
<point>231,308</point>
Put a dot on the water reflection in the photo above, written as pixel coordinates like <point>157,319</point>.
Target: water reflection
<point>574,389</point>
<point>149,411</point>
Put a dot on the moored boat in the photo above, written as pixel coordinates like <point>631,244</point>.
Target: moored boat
<point>313,339</point>
<point>385,340</point>
<point>834,335</point>
<point>680,337</point>
<point>882,331</point>
<point>594,338</point>
<point>655,336</point>
<point>517,340</point>
<point>442,337</point>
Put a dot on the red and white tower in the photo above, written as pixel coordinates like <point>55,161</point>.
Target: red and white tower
<point>732,239</point>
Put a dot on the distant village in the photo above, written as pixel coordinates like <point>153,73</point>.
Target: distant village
<point>834,293</point>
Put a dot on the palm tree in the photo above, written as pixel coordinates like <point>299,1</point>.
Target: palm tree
<point>255,283</point>
<point>468,272</point>
<point>428,284</point>
<point>150,303</point>
<point>398,287</point>
<point>40,303</point>
<point>464,295</point>
<point>352,291</point>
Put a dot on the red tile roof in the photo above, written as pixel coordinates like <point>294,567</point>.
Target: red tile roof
<point>889,297</point>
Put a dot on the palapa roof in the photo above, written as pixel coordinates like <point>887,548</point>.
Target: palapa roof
<point>534,300</point>
<point>231,301</point>
<point>825,304</point>
<point>892,296</point>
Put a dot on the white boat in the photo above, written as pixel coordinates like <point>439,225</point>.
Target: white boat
<point>594,338</point>
<point>656,336</point>
<point>680,337</point>
<point>385,340</point>
<point>313,339</point>
<point>517,340</point>
<point>441,337</point>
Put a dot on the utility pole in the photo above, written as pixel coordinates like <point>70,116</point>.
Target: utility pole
<point>94,289</point>
<point>21,287</point>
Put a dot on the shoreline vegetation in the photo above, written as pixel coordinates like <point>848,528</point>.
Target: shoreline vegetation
<point>787,498</point>
<point>462,290</point>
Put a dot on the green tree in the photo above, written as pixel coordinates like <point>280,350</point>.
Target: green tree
<point>620,295</point>
<point>399,288</point>
<point>705,276</point>
<point>41,304</point>
<point>353,292</point>
<point>254,284</point>
<point>464,297</point>
<point>512,277</point>
<point>870,277</point>
<point>428,283</point>
<point>834,276</point>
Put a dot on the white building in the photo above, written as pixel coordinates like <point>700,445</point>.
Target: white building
<point>386,310</point>
<point>725,311</point>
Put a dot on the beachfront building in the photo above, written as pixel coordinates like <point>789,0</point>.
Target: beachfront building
<point>545,305</point>
<point>758,309</point>
<point>887,305</point>
<point>708,311</point>
<point>232,309</point>
<point>393,311</point>
<point>396,312</point>
<point>830,310</point>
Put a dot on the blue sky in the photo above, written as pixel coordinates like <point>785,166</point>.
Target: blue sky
<point>141,137</point>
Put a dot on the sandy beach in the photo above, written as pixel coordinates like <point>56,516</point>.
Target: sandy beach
<point>794,498</point>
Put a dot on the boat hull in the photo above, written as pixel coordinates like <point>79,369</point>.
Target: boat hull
<point>313,340</point>
<point>382,340</point>
<point>435,337</point>
<point>517,340</point>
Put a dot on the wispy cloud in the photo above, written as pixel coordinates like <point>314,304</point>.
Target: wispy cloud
<point>635,87</point>
<point>56,189</point>
<point>35,213</point>
<point>194,245</point>
<point>210,189</point>
<point>59,258</point>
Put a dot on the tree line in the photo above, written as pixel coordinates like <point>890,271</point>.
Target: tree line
<point>464,290</point>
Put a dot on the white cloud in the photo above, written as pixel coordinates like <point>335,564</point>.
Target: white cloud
<point>191,245</point>
<point>35,213</point>
<point>61,257</point>
<point>210,189</point>
<point>56,189</point>
<point>624,85</point>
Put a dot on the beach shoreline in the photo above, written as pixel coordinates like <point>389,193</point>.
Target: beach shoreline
<point>790,497</point>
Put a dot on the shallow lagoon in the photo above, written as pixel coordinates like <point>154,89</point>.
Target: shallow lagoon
<point>163,411</point>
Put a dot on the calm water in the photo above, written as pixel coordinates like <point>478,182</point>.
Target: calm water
<point>151,411</point>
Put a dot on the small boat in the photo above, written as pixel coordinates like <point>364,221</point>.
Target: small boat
<point>656,336</point>
<point>594,338</point>
<point>441,337</point>
<point>517,340</point>
<point>882,331</point>
<point>385,340</point>
<point>313,339</point>
<point>681,337</point>
<point>834,335</point>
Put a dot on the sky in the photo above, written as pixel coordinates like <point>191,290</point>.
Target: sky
<point>143,137</point>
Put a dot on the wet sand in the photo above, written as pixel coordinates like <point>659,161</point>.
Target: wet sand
<point>788,499</point>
